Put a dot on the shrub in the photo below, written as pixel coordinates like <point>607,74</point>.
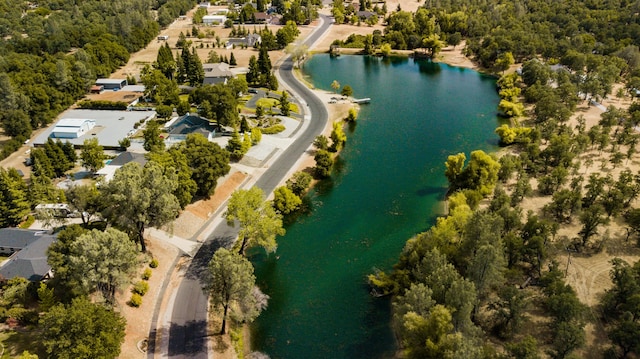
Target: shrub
<point>153,263</point>
<point>272,130</point>
<point>141,287</point>
<point>23,315</point>
<point>146,274</point>
<point>136,300</point>
<point>103,105</point>
<point>28,222</point>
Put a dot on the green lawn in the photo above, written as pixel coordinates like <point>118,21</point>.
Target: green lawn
<point>266,103</point>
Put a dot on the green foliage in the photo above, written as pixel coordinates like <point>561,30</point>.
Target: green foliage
<point>510,135</point>
<point>256,135</point>
<point>102,261</point>
<point>231,281</point>
<point>103,105</point>
<point>299,182</point>
<point>153,141</point>
<point>46,297</point>
<point>92,155</point>
<point>259,223</point>
<point>338,137</point>
<point>155,203</point>
<point>324,164</point>
<point>352,116</point>
<point>141,287</point>
<point>272,130</point>
<point>82,330</point>
<point>14,204</point>
<point>146,274</point>
<point>135,301</point>
<point>237,147</point>
<point>346,90</point>
<point>207,160</point>
<point>285,201</point>
<point>511,109</point>
<point>153,263</point>
<point>174,161</point>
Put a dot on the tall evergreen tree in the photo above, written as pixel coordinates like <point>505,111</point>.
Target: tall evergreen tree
<point>165,61</point>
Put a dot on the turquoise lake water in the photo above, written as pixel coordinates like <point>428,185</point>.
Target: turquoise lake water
<point>386,188</point>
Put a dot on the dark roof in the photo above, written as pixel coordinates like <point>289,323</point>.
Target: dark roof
<point>192,124</point>
<point>126,157</point>
<point>18,238</point>
<point>30,262</point>
<point>365,14</point>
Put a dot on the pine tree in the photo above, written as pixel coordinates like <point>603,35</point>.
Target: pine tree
<point>254,72</point>
<point>232,60</point>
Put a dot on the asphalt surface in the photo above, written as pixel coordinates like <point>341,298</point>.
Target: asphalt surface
<point>188,331</point>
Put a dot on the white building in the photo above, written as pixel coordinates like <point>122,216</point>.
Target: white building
<point>72,127</point>
<point>214,19</point>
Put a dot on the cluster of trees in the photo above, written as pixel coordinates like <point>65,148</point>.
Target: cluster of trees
<point>53,53</point>
<point>260,70</point>
<point>343,14</point>
<point>324,152</point>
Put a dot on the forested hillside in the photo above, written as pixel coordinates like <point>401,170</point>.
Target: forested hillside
<point>54,50</point>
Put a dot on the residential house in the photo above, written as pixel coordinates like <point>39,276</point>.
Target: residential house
<point>182,126</point>
<point>217,73</point>
<point>29,253</point>
<point>248,41</point>
<point>109,170</point>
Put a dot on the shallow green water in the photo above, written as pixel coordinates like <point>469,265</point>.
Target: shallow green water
<point>386,189</point>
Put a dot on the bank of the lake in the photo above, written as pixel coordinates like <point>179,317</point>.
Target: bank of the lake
<point>386,188</point>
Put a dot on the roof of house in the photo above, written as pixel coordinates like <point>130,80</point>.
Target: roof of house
<point>192,124</point>
<point>31,261</point>
<point>126,157</point>
<point>18,238</point>
<point>365,14</point>
<point>220,69</point>
<point>261,15</point>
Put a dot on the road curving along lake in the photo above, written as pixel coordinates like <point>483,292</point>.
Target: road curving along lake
<point>386,187</point>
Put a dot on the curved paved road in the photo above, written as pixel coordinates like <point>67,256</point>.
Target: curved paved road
<point>188,331</point>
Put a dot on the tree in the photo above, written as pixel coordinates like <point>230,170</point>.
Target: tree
<point>338,137</point>
<point>165,61</point>
<point>231,283</point>
<point>335,85</point>
<point>285,201</point>
<point>324,163</point>
<point>591,218</point>
<point>237,147</point>
<point>285,109</point>
<point>286,34</point>
<point>82,330</point>
<point>92,155</point>
<point>454,167</point>
<point>85,199</point>
<point>299,182</point>
<point>504,61</point>
<point>175,161</point>
<point>155,204</point>
<point>153,142</point>
<point>253,75</point>
<point>298,52</point>
<point>207,160</point>
<point>346,91</point>
<point>103,261</point>
<point>259,223</point>
<point>14,205</point>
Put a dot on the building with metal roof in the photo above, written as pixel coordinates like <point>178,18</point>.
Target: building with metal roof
<point>110,126</point>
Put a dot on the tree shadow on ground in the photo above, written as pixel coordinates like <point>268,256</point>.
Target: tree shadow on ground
<point>189,338</point>
<point>198,267</point>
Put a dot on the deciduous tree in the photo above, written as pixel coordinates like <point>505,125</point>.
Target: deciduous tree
<point>92,155</point>
<point>82,330</point>
<point>155,204</point>
<point>258,221</point>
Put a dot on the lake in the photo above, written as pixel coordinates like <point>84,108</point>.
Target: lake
<point>387,186</point>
